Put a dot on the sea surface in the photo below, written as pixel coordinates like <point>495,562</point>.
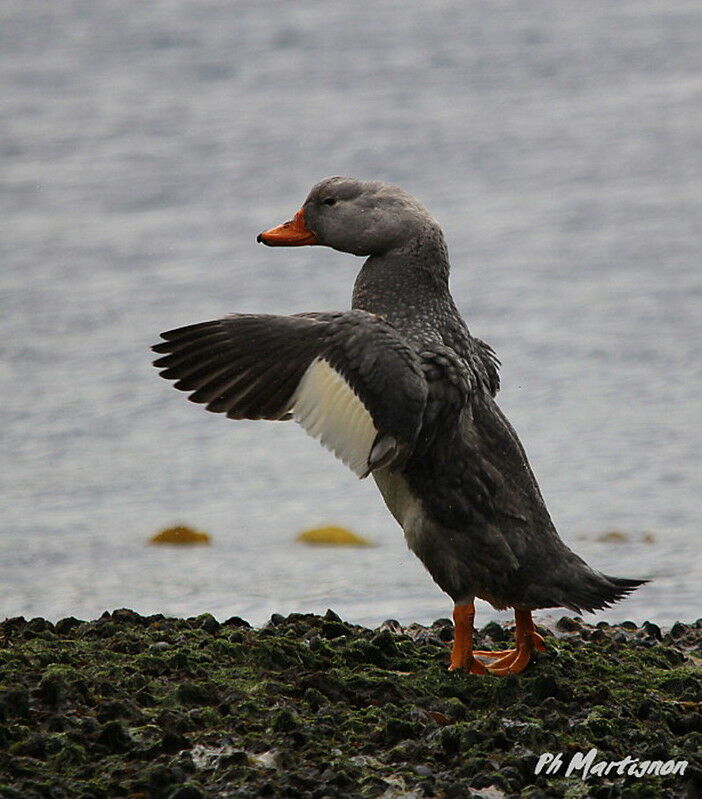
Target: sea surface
<point>144,146</point>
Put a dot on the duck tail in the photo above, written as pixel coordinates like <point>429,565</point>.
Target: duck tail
<point>594,591</point>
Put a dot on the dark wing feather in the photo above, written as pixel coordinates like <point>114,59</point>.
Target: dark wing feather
<point>251,366</point>
<point>224,362</point>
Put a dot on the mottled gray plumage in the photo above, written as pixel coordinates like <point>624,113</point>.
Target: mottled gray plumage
<point>448,463</point>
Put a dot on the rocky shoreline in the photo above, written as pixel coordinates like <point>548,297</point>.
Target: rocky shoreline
<point>310,706</point>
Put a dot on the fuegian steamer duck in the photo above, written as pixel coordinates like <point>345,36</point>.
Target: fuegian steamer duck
<point>398,388</point>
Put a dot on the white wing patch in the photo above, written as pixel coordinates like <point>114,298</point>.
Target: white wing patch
<point>328,408</point>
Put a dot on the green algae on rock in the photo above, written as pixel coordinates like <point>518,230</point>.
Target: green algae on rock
<point>310,706</point>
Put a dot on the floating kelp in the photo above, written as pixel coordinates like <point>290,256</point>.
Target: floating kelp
<point>180,535</point>
<point>332,536</point>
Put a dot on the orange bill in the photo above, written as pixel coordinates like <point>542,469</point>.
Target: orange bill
<point>290,234</point>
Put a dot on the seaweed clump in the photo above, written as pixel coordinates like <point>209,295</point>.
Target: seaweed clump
<point>180,535</point>
<point>310,706</point>
<point>332,536</point>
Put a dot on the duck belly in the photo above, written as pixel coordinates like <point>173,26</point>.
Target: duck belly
<point>404,506</point>
<point>434,546</point>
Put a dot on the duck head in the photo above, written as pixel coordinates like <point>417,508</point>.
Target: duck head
<point>355,216</point>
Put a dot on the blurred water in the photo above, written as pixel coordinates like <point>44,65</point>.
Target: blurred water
<point>143,148</point>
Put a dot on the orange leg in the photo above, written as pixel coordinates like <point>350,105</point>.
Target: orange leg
<point>514,661</point>
<point>462,652</point>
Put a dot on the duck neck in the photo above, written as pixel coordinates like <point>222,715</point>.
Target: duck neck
<point>408,286</point>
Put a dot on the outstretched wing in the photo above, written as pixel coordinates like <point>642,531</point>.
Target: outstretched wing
<point>349,379</point>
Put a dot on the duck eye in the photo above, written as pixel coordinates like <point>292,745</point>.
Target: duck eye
<point>330,201</point>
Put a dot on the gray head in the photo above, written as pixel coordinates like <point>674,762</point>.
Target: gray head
<point>356,216</point>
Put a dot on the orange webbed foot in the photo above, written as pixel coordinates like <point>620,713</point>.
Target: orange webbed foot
<point>462,652</point>
<point>514,661</point>
<point>507,661</point>
<point>470,664</point>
